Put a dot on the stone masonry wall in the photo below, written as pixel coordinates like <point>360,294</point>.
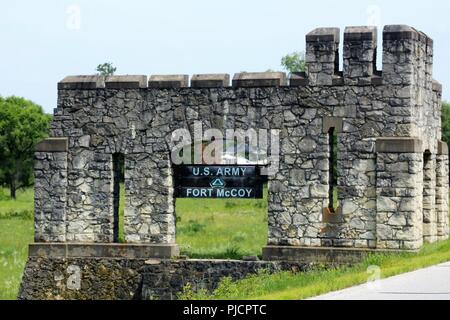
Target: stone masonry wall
<point>131,279</point>
<point>387,198</point>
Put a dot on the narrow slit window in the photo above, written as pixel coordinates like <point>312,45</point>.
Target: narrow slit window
<point>118,202</point>
<point>332,167</point>
<point>426,192</point>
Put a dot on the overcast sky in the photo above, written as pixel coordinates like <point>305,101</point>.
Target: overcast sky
<point>43,41</point>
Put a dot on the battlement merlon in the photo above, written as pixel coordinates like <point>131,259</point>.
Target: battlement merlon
<point>360,53</point>
<point>407,61</point>
<point>322,56</point>
<point>407,56</point>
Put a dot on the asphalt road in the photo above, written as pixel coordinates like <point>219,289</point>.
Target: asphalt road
<point>432,283</point>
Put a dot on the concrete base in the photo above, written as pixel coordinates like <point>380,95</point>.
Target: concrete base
<point>321,255</point>
<point>103,250</point>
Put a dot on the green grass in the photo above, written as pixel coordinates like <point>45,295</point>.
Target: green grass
<point>213,228</point>
<point>23,206</point>
<point>290,286</point>
<point>217,228</point>
<point>16,232</point>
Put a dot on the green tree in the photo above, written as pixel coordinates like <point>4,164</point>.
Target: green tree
<point>294,62</point>
<point>22,125</point>
<point>106,69</point>
<point>446,122</point>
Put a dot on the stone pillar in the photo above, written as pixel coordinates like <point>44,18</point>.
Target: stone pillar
<point>149,203</point>
<point>360,51</point>
<point>429,198</point>
<point>399,193</point>
<point>50,190</point>
<point>89,196</point>
<point>322,56</point>
<point>298,192</point>
<point>442,186</point>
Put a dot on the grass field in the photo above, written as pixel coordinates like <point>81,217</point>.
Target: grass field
<point>214,228</point>
<point>16,232</point>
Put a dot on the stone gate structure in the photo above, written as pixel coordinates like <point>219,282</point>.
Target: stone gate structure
<point>392,166</point>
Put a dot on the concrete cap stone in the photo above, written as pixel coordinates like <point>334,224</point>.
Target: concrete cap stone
<point>126,82</point>
<point>337,79</point>
<point>259,79</point>
<point>399,145</point>
<point>53,145</point>
<point>216,80</point>
<point>377,80</point>
<point>298,79</point>
<point>442,148</point>
<point>332,122</point>
<point>333,255</point>
<point>363,33</point>
<point>332,217</point>
<point>83,82</point>
<point>403,32</point>
<point>324,34</point>
<point>103,250</point>
<point>437,86</point>
<point>169,81</point>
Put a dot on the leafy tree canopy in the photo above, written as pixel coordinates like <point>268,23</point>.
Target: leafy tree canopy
<point>22,125</point>
<point>106,69</point>
<point>294,62</point>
